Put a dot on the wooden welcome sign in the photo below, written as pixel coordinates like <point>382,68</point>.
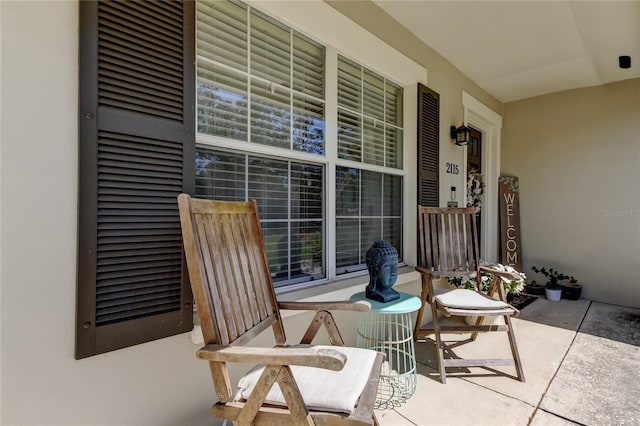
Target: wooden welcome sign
<point>510,222</point>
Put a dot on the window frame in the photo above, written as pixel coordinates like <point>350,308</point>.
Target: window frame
<point>330,160</point>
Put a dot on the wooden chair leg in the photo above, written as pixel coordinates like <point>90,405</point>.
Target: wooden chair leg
<point>439,348</point>
<point>275,374</point>
<point>416,327</point>
<point>514,348</point>
<point>323,318</point>
<point>335,338</point>
<point>423,299</point>
<point>299,413</point>
<point>474,335</point>
<point>257,397</point>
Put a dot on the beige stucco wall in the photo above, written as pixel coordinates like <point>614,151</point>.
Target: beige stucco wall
<point>577,155</point>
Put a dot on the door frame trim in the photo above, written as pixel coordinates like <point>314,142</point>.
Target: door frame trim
<point>484,119</point>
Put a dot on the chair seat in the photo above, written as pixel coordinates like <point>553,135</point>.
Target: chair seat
<point>321,389</point>
<point>468,299</point>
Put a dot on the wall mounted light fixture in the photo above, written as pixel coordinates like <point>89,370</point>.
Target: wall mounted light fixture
<point>461,135</point>
<point>624,62</point>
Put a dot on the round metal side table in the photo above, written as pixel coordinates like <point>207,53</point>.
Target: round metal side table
<point>388,328</point>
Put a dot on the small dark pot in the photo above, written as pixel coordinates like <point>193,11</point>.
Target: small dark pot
<point>534,290</point>
<point>571,291</point>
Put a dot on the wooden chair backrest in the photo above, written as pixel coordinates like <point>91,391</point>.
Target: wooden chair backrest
<point>448,239</point>
<point>228,270</point>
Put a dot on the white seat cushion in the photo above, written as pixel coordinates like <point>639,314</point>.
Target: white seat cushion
<point>468,299</point>
<point>322,390</point>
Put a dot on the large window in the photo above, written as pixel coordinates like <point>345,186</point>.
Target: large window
<point>261,91</point>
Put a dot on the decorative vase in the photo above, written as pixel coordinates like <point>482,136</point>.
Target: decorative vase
<point>571,291</point>
<point>553,294</point>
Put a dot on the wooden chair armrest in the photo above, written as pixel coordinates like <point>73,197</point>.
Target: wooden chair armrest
<point>502,274</point>
<point>328,359</point>
<point>433,274</point>
<point>342,305</point>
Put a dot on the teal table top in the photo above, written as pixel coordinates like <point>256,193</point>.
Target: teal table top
<point>405,304</point>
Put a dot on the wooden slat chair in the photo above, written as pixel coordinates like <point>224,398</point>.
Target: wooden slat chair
<point>449,247</point>
<point>235,300</point>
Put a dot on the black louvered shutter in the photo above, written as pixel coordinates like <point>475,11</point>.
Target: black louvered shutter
<point>428,146</point>
<point>136,154</point>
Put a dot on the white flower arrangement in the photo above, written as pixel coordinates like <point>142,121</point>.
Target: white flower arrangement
<point>475,188</point>
<point>512,287</point>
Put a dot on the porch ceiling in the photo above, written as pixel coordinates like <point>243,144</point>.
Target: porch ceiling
<point>516,50</point>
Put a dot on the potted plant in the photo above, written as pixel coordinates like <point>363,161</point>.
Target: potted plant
<point>571,290</point>
<point>534,289</point>
<point>553,289</point>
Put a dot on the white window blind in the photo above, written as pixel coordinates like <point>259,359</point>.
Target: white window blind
<point>222,86</point>
<point>258,80</point>
<point>369,116</point>
<point>368,203</point>
<point>262,82</point>
<point>290,202</point>
<point>368,208</point>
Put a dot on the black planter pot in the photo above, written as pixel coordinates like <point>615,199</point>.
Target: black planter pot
<point>534,290</point>
<point>571,291</point>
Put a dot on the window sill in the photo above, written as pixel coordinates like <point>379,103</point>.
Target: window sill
<point>341,289</point>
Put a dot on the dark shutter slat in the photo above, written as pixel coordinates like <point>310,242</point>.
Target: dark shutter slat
<point>114,67</point>
<point>108,173</point>
<point>147,51</point>
<point>134,103</point>
<point>119,89</point>
<point>116,181</point>
<point>162,87</point>
<point>129,52</point>
<point>117,30</point>
<point>148,272</point>
<point>428,146</point>
<point>141,298</point>
<point>143,262</point>
<point>118,250</point>
<point>137,154</point>
<point>119,284</point>
<point>170,8</point>
<point>140,312</point>
<point>135,303</point>
<point>128,289</point>
<point>124,256</point>
<point>124,87</point>
<point>129,191</point>
<point>141,19</point>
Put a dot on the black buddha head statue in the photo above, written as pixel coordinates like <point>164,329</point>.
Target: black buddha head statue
<point>382,262</point>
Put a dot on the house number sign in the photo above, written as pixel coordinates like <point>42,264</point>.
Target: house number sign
<point>453,169</point>
<point>510,222</point>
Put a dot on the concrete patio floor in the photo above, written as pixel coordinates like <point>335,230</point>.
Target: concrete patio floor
<point>581,362</point>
